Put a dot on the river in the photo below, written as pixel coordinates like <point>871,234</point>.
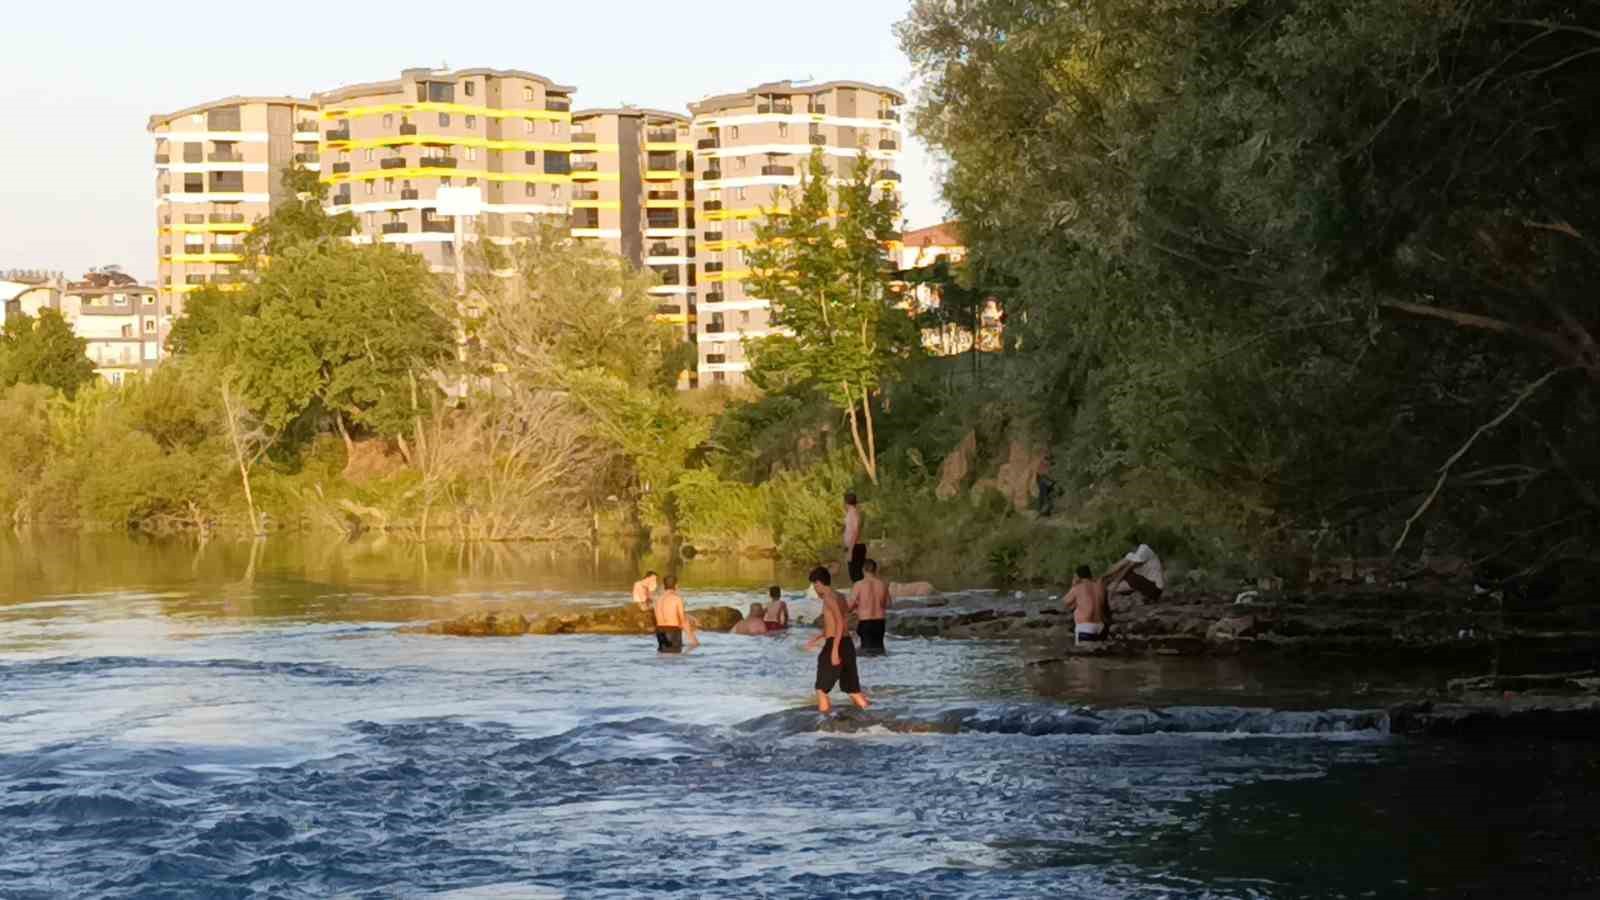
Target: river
<point>238,721</point>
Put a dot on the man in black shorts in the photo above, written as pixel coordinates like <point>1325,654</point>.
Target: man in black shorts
<point>836,664</point>
<point>855,547</point>
<point>671,620</point>
<point>869,600</point>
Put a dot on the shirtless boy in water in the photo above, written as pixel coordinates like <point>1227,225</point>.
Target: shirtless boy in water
<point>836,664</point>
<point>1087,602</point>
<point>869,600</point>
<point>672,623</point>
<point>644,590</point>
<point>777,613</point>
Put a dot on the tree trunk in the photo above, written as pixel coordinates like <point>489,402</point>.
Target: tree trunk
<point>872,435</point>
<point>239,456</point>
<point>855,435</point>
<point>349,445</point>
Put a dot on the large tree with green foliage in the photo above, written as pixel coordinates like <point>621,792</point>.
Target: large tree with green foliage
<point>823,265</point>
<point>45,351</point>
<point>325,327</point>
<point>1331,262</point>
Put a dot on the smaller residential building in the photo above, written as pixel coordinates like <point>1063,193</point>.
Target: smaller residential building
<point>925,247</point>
<point>125,323</point>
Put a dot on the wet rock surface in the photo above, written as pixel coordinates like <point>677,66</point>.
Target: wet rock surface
<point>627,619</point>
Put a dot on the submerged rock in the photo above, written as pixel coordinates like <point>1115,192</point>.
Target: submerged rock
<point>1545,717</point>
<point>480,624</point>
<point>627,619</point>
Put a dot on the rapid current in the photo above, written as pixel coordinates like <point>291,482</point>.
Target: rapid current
<point>170,729</point>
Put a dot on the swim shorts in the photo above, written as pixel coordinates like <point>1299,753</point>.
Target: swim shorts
<point>871,631</point>
<point>669,640</point>
<point>844,674</point>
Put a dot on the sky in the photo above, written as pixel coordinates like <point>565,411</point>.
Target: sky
<point>78,81</point>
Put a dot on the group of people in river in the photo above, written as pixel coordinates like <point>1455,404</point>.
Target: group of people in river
<point>1139,572</point>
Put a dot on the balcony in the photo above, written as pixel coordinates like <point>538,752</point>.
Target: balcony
<point>661,195</point>
<point>660,168</point>
<point>163,158</point>
<point>581,137</point>
<point>585,165</point>
<point>777,170</point>
<point>307,157</point>
<point>439,226</point>
<point>665,250</point>
<point>194,279</point>
<point>226,157</point>
<point>305,125</point>
<point>409,194</point>
<point>662,136</point>
<point>392,162</point>
<point>713,267</point>
<point>342,199</point>
<point>586,195</point>
<point>339,134</point>
<point>888,145</point>
<point>226,218</point>
<point>407,129</point>
<point>558,104</point>
<point>716,358</point>
<point>709,143</point>
<point>437,162</point>
<point>819,109</point>
<point>714,327</point>
<point>711,205</point>
<point>888,115</point>
<point>196,218</point>
<point>340,168</point>
<point>668,309</point>
<point>228,278</point>
<point>713,236</point>
<point>395,228</point>
<point>888,175</point>
<point>782,106</point>
<point>711,175</point>
<point>714,297</point>
<point>819,140</point>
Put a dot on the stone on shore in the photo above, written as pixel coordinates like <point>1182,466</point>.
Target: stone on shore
<point>627,619</point>
<point>903,589</point>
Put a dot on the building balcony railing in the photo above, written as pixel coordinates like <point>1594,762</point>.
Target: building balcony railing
<point>196,218</point>
<point>163,158</point>
<point>194,279</point>
<point>713,236</point>
<point>395,228</point>
<point>783,106</point>
<point>709,143</point>
<point>439,226</point>
<point>711,205</point>
<point>656,168</point>
<point>713,267</point>
<point>307,157</point>
<point>889,175</point>
<point>711,175</point>
<point>305,125</point>
<point>889,115</point>
<point>226,157</point>
<point>888,145</point>
<point>585,165</point>
<point>582,137</point>
<point>437,162</point>
<point>668,309</point>
<point>586,195</point>
<point>665,250</point>
<point>819,140</point>
<point>661,223</point>
<point>341,199</point>
<point>819,109</point>
<point>339,168</point>
<point>409,194</point>
<point>585,219</point>
<point>228,278</point>
<point>661,136</point>
<point>339,134</point>
<point>558,104</point>
<point>714,327</point>
<point>392,162</point>
<point>661,195</point>
<point>227,218</point>
<point>408,129</point>
<point>716,358</point>
<point>714,297</point>
<point>777,170</point>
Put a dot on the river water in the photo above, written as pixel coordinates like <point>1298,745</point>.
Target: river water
<point>230,721</point>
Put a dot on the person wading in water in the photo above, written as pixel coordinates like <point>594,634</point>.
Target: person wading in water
<point>836,664</point>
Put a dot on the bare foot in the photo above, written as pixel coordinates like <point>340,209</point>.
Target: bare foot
<point>823,706</point>
<point>860,700</point>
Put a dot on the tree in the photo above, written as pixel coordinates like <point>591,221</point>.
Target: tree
<point>44,351</point>
<point>823,266</point>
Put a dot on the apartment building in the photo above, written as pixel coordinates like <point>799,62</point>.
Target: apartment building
<point>219,168</point>
<point>125,325</point>
<point>750,149</point>
<point>387,148</point>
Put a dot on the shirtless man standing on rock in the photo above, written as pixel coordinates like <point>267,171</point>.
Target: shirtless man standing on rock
<point>644,590</point>
<point>672,623</point>
<point>1087,602</point>
<point>869,600</point>
<point>836,664</point>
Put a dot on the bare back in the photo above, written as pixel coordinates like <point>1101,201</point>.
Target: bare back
<point>669,610</point>
<point>869,597</point>
<point>1087,600</point>
<point>832,613</point>
<point>777,613</point>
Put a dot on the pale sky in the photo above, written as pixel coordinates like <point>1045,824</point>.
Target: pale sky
<point>80,80</point>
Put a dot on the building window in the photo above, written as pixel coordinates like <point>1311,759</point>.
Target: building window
<point>469,88</point>
<point>555,191</point>
<point>149,300</point>
<point>372,188</point>
<point>472,154</point>
<point>388,121</point>
<point>734,132</point>
<point>530,189</point>
<point>719,377</point>
<point>527,93</point>
<point>472,182</point>
<point>445,181</point>
<point>738,162</point>
<point>783,129</point>
<point>528,125</point>
<point>127,331</point>
<point>149,325</point>
<point>388,185</point>
<point>738,193</point>
<point>472,121</point>
<point>369,154</point>
<point>444,120</point>
<point>120,299</point>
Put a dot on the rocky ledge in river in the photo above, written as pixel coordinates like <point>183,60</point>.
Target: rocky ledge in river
<point>1565,705</point>
<point>628,619</point>
<point>1442,622</point>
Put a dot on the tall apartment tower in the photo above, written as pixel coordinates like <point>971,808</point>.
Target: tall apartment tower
<point>219,167</point>
<point>388,147</point>
<point>750,148</point>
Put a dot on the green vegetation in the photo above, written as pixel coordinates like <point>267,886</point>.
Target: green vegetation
<point>43,351</point>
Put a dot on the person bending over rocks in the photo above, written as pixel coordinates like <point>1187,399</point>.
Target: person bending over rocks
<point>672,623</point>
<point>1139,571</point>
<point>1086,600</point>
<point>752,624</point>
<point>836,664</point>
<point>644,590</point>
<point>777,614</point>
<point>869,600</point>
